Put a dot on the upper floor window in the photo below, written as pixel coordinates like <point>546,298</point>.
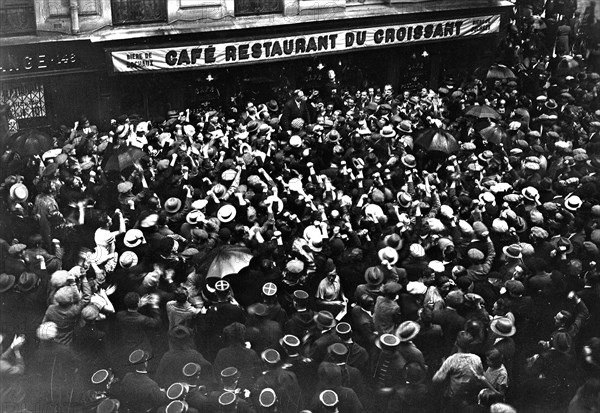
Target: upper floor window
<point>17,17</point>
<point>62,7</point>
<point>138,11</point>
<point>252,7</point>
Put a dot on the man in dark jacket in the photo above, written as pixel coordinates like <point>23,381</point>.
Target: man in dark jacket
<point>295,108</point>
<point>283,382</point>
<point>302,321</point>
<point>137,391</point>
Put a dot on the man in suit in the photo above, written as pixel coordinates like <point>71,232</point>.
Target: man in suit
<point>282,381</point>
<point>295,108</point>
<point>449,319</point>
<point>137,391</point>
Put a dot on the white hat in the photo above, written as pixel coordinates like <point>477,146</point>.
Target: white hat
<point>133,238</point>
<point>388,254</point>
<point>436,266</point>
<point>199,204</point>
<point>194,216</point>
<point>226,213</point>
<point>417,250</point>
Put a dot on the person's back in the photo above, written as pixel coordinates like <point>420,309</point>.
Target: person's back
<point>140,393</point>
<point>244,359</point>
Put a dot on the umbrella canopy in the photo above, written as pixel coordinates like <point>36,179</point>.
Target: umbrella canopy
<point>494,134</point>
<point>31,142</point>
<point>437,140</point>
<point>482,111</point>
<point>124,158</point>
<point>224,260</point>
<point>567,66</point>
<point>500,72</point>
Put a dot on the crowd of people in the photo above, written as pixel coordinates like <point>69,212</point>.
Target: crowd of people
<point>352,250</point>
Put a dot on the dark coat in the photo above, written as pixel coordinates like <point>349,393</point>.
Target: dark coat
<point>170,368</point>
<point>285,385</point>
<point>291,111</point>
<point>138,392</point>
<point>244,359</point>
<point>451,323</point>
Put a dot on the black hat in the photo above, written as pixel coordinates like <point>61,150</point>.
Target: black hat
<point>138,357</point>
<point>191,369</point>
<point>337,351</point>
<point>270,356</point>
<point>290,341</point>
<point>227,398</point>
<point>267,397</point>
<point>230,372</point>
<point>329,398</point>
<point>343,330</point>
<point>300,295</point>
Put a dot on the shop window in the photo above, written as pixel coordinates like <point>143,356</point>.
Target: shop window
<point>62,7</point>
<point>138,11</point>
<point>17,17</point>
<point>27,100</point>
<point>253,7</point>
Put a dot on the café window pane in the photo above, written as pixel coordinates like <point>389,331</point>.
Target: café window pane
<point>17,17</point>
<point>138,11</point>
<point>27,100</point>
<point>252,7</point>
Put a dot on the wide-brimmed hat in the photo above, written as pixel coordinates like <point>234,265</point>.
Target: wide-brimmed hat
<point>324,319</point>
<point>573,203</point>
<point>316,244</point>
<point>409,161</point>
<point>513,251</point>
<point>27,281</point>
<point>226,213</point>
<point>405,127</point>
<point>133,238</point>
<point>19,192</point>
<point>388,132</point>
<point>531,194</point>
<point>173,205</point>
<point>388,254</point>
<point>407,331</point>
<point>503,327</point>
<point>194,216</point>
<point>128,259</point>
<point>404,199</point>
<point>387,342</point>
<point>562,244</point>
<point>374,276</point>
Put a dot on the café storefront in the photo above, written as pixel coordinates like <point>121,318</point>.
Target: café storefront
<point>156,76</point>
<point>47,84</point>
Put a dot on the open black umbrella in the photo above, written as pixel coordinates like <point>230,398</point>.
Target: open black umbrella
<point>224,260</point>
<point>437,140</point>
<point>123,158</point>
<point>29,142</point>
<point>500,72</point>
<point>482,111</point>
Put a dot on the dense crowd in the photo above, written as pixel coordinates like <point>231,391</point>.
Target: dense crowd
<point>352,250</point>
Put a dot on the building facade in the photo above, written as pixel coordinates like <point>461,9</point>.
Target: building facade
<point>103,58</point>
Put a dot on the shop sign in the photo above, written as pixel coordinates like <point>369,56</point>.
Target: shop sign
<point>19,61</point>
<point>221,54</point>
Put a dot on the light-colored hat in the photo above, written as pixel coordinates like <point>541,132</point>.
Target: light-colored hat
<point>226,213</point>
<point>389,254</point>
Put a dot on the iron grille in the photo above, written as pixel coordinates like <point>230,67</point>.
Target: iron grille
<point>253,7</point>
<point>138,11</point>
<point>27,100</point>
<point>17,18</point>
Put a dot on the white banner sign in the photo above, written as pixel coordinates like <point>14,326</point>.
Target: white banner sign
<point>220,54</point>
